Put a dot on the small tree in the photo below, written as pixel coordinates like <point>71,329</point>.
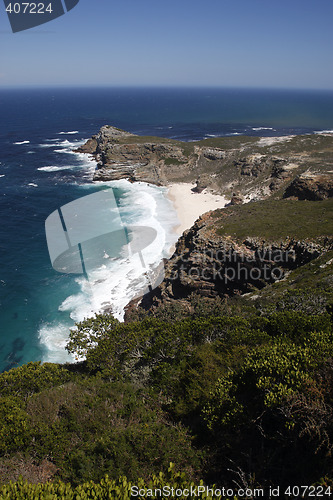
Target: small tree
<point>88,333</point>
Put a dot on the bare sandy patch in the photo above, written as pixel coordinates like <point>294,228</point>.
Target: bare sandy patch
<point>190,205</point>
<point>269,141</point>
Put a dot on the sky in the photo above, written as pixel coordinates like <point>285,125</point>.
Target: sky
<point>218,43</point>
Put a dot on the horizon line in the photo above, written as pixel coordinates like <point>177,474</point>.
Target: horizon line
<point>158,86</point>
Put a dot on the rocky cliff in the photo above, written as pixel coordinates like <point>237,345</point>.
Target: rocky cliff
<point>248,168</point>
<point>310,186</point>
<point>224,254</point>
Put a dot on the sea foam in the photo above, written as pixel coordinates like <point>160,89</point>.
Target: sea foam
<point>116,279</point>
<point>52,168</point>
<point>262,128</point>
<point>72,132</point>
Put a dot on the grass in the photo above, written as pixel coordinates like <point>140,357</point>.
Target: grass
<point>173,161</point>
<point>143,139</point>
<point>227,142</point>
<point>188,146</point>
<point>277,219</point>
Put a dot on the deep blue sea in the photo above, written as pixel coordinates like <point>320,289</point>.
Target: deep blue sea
<point>39,173</point>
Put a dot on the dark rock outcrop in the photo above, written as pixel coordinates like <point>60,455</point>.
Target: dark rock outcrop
<point>311,187</point>
<point>237,199</point>
<point>201,184</point>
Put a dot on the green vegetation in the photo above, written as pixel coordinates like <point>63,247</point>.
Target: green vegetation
<point>108,489</point>
<point>277,219</point>
<point>308,289</point>
<point>315,145</point>
<point>89,427</point>
<point>216,142</point>
<point>228,143</point>
<point>173,161</point>
<point>201,392</point>
<point>89,332</point>
<point>143,139</point>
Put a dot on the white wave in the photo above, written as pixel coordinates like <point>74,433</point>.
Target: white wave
<point>211,135</point>
<point>31,152</point>
<point>87,163</point>
<point>324,132</point>
<point>2,175</point>
<point>118,279</point>
<point>54,337</point>
<point>32,184</point>
<point>51,144</point>
<point>69,133</point>
<point>66,145</point>
<point>262,128</point>
<point>22,142</point>
<point>52,168</point>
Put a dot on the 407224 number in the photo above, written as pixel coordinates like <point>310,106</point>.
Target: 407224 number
<point>308,491</point>
<point>29,8</point>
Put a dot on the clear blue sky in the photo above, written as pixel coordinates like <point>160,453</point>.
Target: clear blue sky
<point>244,43</point>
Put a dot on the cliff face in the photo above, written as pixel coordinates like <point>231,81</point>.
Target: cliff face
<point>213,266</point>
<point>249,167</point>
<point>122,155</point>
<point>140,162</point>
<point>215,258</point>
<point>311,187</point>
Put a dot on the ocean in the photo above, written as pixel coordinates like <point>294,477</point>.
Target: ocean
<point>40,175</point>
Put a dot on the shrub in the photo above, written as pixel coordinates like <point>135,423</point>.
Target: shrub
<point>96,427</point>
<point>274,413</point>
<point>15,428</point>
<point>106,489</point>
<point>32,378</point>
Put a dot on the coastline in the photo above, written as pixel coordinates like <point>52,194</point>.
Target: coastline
<point>190,205</point>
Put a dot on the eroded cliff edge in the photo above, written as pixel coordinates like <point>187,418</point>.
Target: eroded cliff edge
<point>263,249</point>
<point>244,168</point>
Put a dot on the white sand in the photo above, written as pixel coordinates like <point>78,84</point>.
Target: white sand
<point>190,205</point>
<point>269,141</point>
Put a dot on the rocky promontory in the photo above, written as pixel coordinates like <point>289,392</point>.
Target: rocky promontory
<point>249,168</point>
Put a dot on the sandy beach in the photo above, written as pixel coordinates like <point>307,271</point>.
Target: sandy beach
<point>190,205</point>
